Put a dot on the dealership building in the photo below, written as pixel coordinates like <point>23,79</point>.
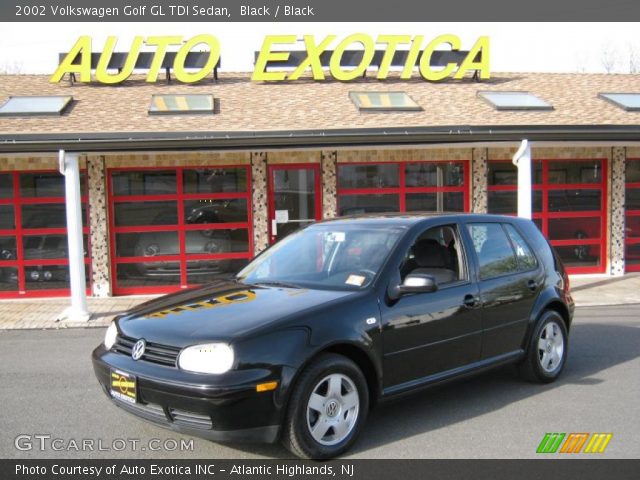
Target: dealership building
<point>182,183</point>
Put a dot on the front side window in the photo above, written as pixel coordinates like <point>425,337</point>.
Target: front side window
<point>494,251</point>
<point>436,253</point>
<point>332,257</point>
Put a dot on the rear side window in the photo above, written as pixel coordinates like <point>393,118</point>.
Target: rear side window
<point>493,248</point>
<point>524,255</point>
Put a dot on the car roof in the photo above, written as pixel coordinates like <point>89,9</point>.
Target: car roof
<point>413,218</point>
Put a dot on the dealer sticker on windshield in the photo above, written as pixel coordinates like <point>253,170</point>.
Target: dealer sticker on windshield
<point>356,280</point>
<point>123,386</point>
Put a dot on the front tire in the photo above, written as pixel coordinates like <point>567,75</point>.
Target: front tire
<point>547,352</point>
<point>327,408</point>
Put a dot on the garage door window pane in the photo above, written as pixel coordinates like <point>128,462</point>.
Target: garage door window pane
<point>144,183</point>
<point>8,279</point>
<point>579,255</point>
<point>632,168</point>
<point>578,228</point>
<point>494,251</point>
<point>145,213</point>
<point>7,248</point>
<point>632,199</point>
<point>47,215</point>
<point>357,204</point>
<point>435,202</point>
<point>574,200</point>
<point>6,186</point>
<point>632,254</point>
<point>632,226</point>
<point>205,271</point>
<point>215,180</point>
<point>215,211</point>
<point>575,171</point>
<point>434,175</point>
<point>216,241</point>
<point>368,176</point>
<point>7,218</point>
<point>48,246</point>
<point>148,274</point>
<point>506,173</point>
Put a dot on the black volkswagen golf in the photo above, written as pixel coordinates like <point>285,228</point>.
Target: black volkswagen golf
<point>336,317</point>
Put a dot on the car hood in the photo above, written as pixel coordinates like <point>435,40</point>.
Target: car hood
<point>221,311</point>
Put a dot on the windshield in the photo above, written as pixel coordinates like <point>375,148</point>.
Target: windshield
<point>325,256</point>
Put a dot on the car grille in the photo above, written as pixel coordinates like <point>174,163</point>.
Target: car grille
<point>156,413</point>
<point>153,352</point>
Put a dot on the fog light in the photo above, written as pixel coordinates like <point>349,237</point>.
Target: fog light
<point>34,275</point>
<point>47,275</point>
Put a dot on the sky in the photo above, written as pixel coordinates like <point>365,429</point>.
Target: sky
<point>515,47</point>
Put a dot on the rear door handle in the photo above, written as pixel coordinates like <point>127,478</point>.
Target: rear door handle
<point>470,301</point>
<point>532,285</point>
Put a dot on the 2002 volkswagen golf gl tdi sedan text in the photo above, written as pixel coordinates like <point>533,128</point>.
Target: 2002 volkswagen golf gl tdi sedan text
<point>336,317</point>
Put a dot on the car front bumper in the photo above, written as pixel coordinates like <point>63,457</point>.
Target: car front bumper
<point>227,409</point>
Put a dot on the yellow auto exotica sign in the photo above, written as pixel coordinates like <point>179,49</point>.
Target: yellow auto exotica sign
<point>276,48</point>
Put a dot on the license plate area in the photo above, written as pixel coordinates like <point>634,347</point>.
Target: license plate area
<point>123,386</point>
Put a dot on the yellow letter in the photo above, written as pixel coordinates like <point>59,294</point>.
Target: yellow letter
<point>480,48</point>
<point>425,61</point>
<point>214,55</point>
<point>102,75</point>
<point>313,58</point>
<point>392,42</point>
<point>266,56</point>
<point>82,47</point>
<point>411,57</point>
<point>161,49</point>
<point>334,63</point>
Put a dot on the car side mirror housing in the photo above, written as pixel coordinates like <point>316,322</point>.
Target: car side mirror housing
<point>418,283</point>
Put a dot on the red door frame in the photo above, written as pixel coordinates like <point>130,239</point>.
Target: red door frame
<point>179,197</point>
<point>631,213</point>
<point>402,189</point>
<point>18,232</point>
<point>545,215</point>
<point>293,166</point>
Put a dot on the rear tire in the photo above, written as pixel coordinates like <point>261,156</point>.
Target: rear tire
<point>327,409</point>
<point>548,348</point>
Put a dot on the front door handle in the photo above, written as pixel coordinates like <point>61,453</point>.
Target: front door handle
<point>470,301</point>
<point>532,285</point>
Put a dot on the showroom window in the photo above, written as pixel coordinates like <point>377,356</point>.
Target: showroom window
<point>632,215</point>
<point>176,227</point>
<point>33,234</point>
<point>568,204</point>
<point>402,187</point>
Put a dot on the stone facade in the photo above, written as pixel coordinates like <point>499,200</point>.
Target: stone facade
<point>479,170</point>
<point>259,201</point>
<point>98,227</point>
<point>329,184</point>
<point>616,209</point>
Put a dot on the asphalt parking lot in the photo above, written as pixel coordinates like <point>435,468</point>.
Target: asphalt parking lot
<point>48,388</point>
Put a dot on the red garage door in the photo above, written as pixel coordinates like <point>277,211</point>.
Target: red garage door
<point>569,206</point>
<point>632,216</point>
<point>176,227</point>
<point>403,187</point>
<point>33,234</point>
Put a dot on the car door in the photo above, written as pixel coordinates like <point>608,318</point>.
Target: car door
<point>509,277</point>
<point>427,334</point>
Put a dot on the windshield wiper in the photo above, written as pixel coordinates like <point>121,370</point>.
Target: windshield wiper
<point>276,283</point>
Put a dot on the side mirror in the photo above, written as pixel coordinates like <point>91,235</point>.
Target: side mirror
<point>418,283</point>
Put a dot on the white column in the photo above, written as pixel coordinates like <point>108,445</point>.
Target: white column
<point>522,160</point>
<point>70,169</point>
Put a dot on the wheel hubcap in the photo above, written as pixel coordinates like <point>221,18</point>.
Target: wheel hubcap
<point>332,409</point>
<point>550,347</point>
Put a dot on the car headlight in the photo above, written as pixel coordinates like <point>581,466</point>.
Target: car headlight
<point>110,336</point>
<point>209,358</point>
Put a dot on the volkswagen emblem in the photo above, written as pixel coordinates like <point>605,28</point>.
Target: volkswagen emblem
<point>138,349</point>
